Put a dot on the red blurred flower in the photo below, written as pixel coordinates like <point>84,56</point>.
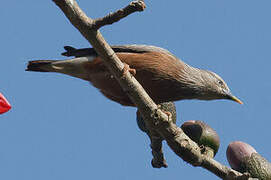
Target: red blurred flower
<point>4,104</point>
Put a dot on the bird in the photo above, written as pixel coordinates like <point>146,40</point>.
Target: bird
<point>164,77</point>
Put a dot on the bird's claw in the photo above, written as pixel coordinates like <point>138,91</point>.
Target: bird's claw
<point>127,68</point>
<point>168,114</point>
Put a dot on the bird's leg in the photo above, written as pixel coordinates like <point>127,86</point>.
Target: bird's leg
<point>127,68</point>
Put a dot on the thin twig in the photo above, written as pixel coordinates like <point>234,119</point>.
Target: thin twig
<point>134,6</point>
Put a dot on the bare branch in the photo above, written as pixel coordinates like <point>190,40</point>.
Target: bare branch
<point>155,119</point>
<point>118,15</point>
<point>158,160</point>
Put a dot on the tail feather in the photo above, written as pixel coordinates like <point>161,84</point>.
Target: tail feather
<point>74,67</point>
<point>71,51</point>
<point>40,65</point>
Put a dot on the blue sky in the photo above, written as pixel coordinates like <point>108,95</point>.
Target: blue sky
<point>62,128</point>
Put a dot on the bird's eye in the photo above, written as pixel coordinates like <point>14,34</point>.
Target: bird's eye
<point>220,82</point>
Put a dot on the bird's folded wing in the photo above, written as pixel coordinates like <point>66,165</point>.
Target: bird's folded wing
<point>71,51</point>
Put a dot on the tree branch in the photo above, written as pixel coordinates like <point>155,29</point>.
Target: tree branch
<point>155,119</point>
<point>158,160</point>
<point>111,18</point>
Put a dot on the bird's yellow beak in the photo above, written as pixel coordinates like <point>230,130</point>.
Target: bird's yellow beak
<point>234,98</point>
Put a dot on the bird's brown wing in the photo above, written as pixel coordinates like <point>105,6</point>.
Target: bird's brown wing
<point>155,71</point>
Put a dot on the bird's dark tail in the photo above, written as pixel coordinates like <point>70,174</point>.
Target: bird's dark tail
<point>40,66</point>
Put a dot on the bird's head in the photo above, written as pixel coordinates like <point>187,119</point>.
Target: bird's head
<point>214,87</point>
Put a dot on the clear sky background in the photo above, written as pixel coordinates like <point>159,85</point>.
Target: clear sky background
<point>62,128</point>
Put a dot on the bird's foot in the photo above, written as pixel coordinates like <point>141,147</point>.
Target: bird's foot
<point>168,114</point>
<point>127,68</point>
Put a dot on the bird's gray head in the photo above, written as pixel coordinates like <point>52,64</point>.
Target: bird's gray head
<point>208,85</point>
<point>215,87</point>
